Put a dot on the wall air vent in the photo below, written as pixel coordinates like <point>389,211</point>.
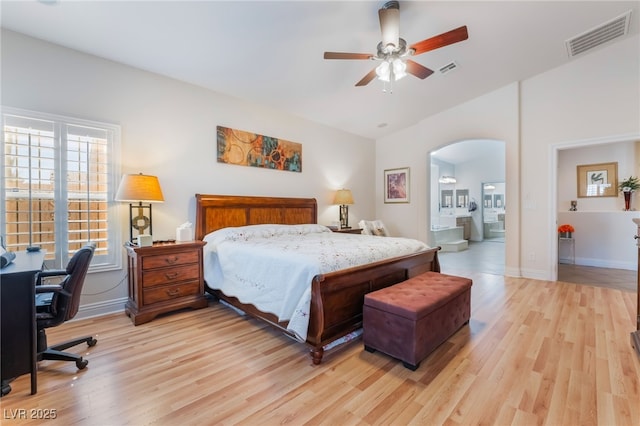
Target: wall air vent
<point>449,67</point>
<point>617,27</point>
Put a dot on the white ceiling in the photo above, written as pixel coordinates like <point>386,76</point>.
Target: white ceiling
<point>272,52</point>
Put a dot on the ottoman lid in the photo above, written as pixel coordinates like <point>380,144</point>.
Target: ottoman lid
<point>418,296</point>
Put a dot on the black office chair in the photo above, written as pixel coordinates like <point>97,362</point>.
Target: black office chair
<point>57,303</point>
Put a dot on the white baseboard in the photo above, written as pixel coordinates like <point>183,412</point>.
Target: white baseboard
<point>605,263</point>
<point>101,308</point>
<point>537,274</point>
<point>512,272</point>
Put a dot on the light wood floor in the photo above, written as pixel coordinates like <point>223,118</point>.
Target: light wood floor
<point>534,353</point>
<point>488,256</point>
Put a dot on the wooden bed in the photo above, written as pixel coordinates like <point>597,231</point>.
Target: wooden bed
<point>337,298</point>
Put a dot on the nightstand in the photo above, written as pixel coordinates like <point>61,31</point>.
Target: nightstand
<point>348,230</point>
<point>164,278</point>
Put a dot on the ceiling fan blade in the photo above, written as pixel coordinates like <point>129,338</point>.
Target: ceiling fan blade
<point>367,78</point>
<point>345,55</point>
<point>390,26</point>
<point>444,39</point>
<point>418,70</point>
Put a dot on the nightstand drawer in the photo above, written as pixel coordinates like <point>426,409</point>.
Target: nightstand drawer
<point>160,261</point>
<point>169,292</point>
<point>163,276</point>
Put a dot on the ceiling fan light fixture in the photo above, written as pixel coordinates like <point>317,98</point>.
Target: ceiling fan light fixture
<point>392,69</point>
<point>399,69</point>
<point>383,71</point>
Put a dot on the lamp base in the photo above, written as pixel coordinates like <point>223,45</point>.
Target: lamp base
<point>635,341</point>
<point>344,216</point>
<point>140,220</point>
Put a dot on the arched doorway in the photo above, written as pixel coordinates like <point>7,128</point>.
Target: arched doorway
<point>464,175</point>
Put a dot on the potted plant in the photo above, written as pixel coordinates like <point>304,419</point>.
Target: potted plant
<point>627,186</point>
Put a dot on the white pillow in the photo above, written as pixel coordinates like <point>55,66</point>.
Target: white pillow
<point>373,227</point>
<point>245,233</point>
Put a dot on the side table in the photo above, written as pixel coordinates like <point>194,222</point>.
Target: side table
<point>348,230</point>
<point>164,278</point>
<point>568,245</point>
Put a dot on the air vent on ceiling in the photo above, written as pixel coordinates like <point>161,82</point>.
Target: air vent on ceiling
<point>617,27</point>
<point>449,67</point>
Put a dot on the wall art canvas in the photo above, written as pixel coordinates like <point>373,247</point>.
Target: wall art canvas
<point>251,149</point>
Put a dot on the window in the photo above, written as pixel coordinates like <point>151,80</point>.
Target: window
<point>58,178</point>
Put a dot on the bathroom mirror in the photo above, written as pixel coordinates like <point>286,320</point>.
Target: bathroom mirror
<point>462,198</point>
<point>446,198</point>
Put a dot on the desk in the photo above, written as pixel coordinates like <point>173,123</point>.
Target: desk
<point>18,318</point>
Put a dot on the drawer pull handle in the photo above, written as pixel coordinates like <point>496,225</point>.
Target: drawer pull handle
<point>171,276</point>
<point>173,292</point>
<point>172,260</point>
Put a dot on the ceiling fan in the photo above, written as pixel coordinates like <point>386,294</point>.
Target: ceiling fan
<point>393,50</point>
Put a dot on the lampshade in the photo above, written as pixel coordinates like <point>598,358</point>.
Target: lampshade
<point>139,187</point>
<point>343,196</point>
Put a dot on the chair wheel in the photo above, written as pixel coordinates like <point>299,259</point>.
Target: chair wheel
<point>92,342</point>
<point>81,363</point>
<point>6,389</point>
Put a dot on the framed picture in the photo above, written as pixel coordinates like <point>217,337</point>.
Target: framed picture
<point>396,185</point>
<point>598,180</point>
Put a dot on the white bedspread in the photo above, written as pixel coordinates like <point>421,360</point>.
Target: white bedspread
<point>272,266</point>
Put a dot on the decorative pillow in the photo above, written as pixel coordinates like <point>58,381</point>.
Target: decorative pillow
<point>373,227</point>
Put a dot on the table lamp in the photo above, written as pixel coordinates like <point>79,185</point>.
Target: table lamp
<point>139,189</point>
<point>343,197</point>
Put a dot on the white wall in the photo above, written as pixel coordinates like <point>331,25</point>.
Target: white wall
<point>492,116</point>
<point>604,233</point>
<point>622,153</point>
<point>169,130</point>
<point>602,239</point>
<point>593,96</point>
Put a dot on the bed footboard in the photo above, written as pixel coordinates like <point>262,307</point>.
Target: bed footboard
<point>337,298</point>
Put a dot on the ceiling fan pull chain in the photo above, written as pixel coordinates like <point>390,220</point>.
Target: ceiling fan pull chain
<point>390,83</point>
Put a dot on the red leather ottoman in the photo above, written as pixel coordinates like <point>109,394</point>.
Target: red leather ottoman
<point>411,319</point>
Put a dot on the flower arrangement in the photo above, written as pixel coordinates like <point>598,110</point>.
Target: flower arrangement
<point>566,228</point>
<point>629,184</point>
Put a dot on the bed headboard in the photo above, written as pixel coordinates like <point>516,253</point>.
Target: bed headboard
<point>214,212</point>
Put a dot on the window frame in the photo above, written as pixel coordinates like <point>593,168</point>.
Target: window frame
<point>113,259</point>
